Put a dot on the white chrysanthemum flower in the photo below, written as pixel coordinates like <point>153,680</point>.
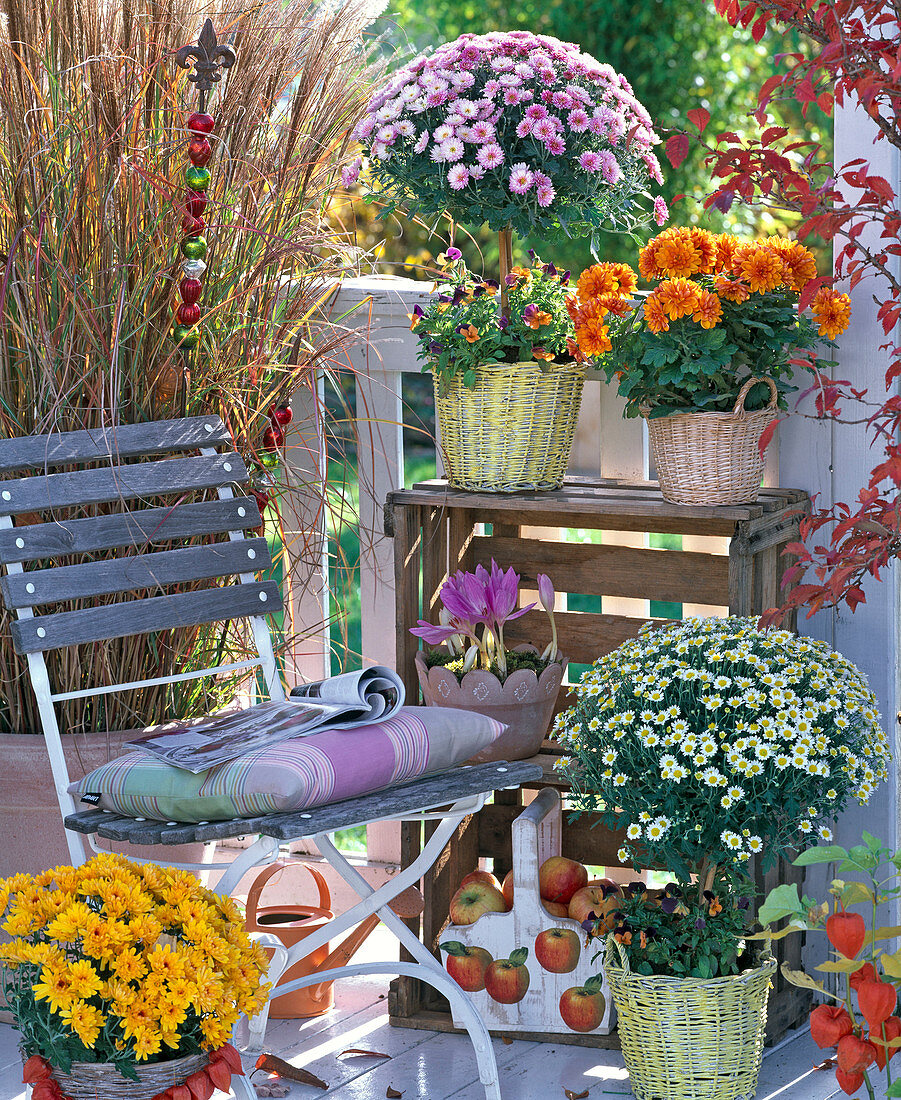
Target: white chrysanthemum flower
<point>805,826</point>
<point>755,844</point>
<point>824,833</point>
<point>731,840</point>
<point>633,832</point>
<point>623,855</point>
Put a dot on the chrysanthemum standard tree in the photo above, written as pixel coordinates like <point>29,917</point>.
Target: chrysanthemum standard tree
<point>518,130</point>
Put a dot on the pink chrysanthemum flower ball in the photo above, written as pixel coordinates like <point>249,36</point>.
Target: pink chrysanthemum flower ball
<point>471,126</point>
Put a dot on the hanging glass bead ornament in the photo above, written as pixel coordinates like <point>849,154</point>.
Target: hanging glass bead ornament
<point>208,58</point>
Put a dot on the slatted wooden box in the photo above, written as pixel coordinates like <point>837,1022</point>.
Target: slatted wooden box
<point>730,562</point>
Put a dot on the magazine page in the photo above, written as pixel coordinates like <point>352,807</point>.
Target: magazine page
<point>377,692</point>
<point>342,702</point>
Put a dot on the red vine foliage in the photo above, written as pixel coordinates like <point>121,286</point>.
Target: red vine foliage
<point>853,58</point>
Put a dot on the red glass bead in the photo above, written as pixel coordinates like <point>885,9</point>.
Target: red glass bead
<point>188,315</point>
<point>190,290</point>
<point>192,226</point>
<point>281,415</point>
<point>200,123</point>
<point>195,203</point>
<point>199,152</point>
<point>273,438</point>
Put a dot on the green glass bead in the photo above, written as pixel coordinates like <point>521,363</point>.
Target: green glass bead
<point>269,459</point>
<point>186,337</point>
<point>194,248</point>
<point>198,179</point>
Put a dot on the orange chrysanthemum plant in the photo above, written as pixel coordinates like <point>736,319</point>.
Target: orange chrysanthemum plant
<point>719,311</point>
<point>122,963</point>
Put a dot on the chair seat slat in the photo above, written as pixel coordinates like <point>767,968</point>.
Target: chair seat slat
<point>119,620</point>
<point>109,483</point>
<point>123,441</point>
<point>141,528</point>
<point>149,571</point>
<point>433,790</point>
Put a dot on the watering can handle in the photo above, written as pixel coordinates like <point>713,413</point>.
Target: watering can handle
<point>253,894</point>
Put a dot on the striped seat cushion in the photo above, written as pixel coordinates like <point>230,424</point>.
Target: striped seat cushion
<point>327,766</point>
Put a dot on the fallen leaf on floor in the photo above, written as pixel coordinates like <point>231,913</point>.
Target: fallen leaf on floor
<point>506,1040</point>
<point>828,1063</point>
<point>273,1064</point>
<point>363,1053</point>
<point>392,1094</point>
<point>570,1095</point>
<point>271,1088</point>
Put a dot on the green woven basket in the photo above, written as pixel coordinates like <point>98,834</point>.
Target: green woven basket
<point>513,430</point>
<point>690,1038</point>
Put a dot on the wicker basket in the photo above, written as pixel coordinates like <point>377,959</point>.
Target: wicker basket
<point>513,430</point>
<point>103,1081</point>
<point>712,457</point>
<point>690,1038</point>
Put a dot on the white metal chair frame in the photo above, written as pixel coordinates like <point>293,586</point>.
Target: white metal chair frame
<point>203,434</point>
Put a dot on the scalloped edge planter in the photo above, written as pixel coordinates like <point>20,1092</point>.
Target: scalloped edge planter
<point>524,703</point>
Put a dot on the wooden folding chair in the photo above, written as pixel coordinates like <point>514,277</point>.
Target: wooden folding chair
<point>137,467</point>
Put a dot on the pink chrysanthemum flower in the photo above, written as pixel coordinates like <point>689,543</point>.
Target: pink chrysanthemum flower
<point>350,173</point>
<point>610,167</point>
<point>561,101</point>
<point>578,120</point>
<point>520,179</point>
<point>458,177</point>
<point>490,156</point>
<point>452,149</point>
<point>421,142</point>
<point>512,97</point>
<point>443,132</point>
<point>545,195</point>
<point>661,213</point>
<point>556,146</point>
<point>524,128</point>
<point>591,162</point>
<point>544,129</point>
<point>536,112</point>
<point>481,132</point>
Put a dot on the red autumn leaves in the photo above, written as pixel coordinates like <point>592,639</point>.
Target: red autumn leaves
<point>833,1026</point>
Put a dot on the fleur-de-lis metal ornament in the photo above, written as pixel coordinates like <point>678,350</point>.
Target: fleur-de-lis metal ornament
<point>208,58</point>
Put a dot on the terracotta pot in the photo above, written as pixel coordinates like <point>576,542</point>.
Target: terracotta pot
<point>524,703</point>
<point>33,834</point>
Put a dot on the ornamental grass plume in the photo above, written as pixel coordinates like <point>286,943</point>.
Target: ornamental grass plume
<point>92,139</point>
<point>119,962</point>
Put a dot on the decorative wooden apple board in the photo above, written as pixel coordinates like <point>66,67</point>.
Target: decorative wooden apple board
<point>537,834</point>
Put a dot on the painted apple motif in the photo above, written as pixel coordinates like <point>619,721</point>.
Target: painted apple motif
<point>582,1006</point>
<point>507,980</point>
<point>466,965</point>
<point>558,950</point>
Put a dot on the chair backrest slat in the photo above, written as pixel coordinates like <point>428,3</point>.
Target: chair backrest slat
<point>109,483</point>
<point>119,620</point>
<point>122,441</point>
<point>145,527</point>
<point>149,571</point>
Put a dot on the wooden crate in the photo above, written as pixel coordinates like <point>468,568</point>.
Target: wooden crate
<point>437,530</point>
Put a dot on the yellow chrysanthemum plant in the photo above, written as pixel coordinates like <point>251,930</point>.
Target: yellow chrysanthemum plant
<point>118,962</point>
<point>719,311</point>
<point>709,741</point>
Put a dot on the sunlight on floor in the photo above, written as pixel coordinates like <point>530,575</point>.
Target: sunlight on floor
<point>608,1073</point>
<point>340,1042</point>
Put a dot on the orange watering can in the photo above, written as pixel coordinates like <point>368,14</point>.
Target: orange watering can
<point>293,923</point>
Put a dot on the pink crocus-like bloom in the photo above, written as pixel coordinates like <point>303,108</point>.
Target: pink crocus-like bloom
<point>524,128</point>
<point>458,177</point>
<point>556,146</point>
<point>490,156</point>
<point>591,162</point>
<point>520,179</point>
<point>661,214</point>
<point>578,120</point>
